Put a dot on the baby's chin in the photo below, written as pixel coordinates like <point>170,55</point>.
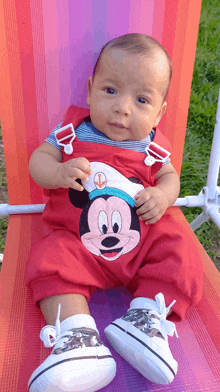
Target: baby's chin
<point>127,139</point>
<point>124,138</point>
<point>124,135</point>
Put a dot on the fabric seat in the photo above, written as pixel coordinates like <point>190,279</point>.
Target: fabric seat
<point>197,350</point>
<point>48,52</point>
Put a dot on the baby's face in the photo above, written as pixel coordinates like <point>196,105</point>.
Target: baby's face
<point>128,90</point>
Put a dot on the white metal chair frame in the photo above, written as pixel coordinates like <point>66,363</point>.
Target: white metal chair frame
<point>208,198</point>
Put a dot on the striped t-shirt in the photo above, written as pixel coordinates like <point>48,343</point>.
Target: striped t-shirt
<point>86,132</point>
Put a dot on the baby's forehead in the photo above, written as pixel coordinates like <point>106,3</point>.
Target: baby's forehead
<point>155,64</point>
<point>154,56</point>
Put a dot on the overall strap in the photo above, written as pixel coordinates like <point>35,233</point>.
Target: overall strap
<point>75,115</point>
<point>162,140</point>
<point>66,134</point>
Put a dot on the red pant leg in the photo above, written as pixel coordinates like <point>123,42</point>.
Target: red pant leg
<point>61,264</point>
<point>172,265</point>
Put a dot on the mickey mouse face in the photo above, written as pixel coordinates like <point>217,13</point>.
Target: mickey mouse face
<point>110,232</point>
<point>109,226</point>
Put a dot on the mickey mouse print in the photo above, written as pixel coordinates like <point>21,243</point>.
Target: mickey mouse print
<point>109,226</point>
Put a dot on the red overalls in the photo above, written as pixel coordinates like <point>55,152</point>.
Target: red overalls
<point>98,240</point>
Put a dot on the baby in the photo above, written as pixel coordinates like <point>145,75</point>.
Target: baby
<point>110,180</point>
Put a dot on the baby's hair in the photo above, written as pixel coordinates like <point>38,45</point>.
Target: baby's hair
<point>136,44</point>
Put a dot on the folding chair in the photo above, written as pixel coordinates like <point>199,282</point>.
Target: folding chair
<point>48,50</point>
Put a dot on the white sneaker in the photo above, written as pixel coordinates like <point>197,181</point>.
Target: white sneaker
<point>140,337</point>
<point>79,362</point>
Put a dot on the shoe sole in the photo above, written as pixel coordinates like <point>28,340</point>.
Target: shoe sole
<point>84,373</point>
<point>139,354</point>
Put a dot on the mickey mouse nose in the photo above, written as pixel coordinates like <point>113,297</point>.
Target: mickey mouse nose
<point>109,242</point>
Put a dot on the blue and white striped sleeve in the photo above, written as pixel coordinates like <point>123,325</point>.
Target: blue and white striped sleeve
<point>52,139</point>
<point>166,161</point>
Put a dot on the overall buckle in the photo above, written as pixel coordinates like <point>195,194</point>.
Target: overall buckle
<point>158,154</point>
<point>65,137</point>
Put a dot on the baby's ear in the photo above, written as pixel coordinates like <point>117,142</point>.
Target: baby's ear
<point>78,198</point>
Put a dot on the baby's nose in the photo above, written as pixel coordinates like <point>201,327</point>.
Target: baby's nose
<point>123,105</point>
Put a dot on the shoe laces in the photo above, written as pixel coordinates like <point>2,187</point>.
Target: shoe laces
<point>165,327</point>
<point>68,340</point>
<point>50,334</point>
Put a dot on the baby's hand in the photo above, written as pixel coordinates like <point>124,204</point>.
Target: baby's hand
<point>68,172</point>
<point>153,202</point>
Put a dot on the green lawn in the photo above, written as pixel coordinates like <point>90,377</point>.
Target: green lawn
<point>3,189</point>
<point>201,118</point>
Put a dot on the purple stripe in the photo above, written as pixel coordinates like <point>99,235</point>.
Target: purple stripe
<point>99,27</point>
<point>81,47</point>
<point>117,18</point>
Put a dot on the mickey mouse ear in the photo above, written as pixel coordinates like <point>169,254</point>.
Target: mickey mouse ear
<point>78,198</point>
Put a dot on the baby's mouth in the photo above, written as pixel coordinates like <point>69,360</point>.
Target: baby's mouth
<point>110,252</point>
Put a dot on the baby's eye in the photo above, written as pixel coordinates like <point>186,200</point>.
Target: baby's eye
<point>109,88</point>
<point>142,100</point>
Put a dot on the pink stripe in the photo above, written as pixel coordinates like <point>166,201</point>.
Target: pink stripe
<point>194,369</point>
<point>41,88</point>
<point>64,54</point>
<point>141,17</point>
<point>159,10</point>
<point>168,38</point>
<point>40,71</point>
<point>52,61</point>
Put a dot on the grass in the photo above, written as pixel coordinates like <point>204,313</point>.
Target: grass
<point>3,186</point>
<point>201,118</point>
<point>3,231</point>
<point>200,125</point>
